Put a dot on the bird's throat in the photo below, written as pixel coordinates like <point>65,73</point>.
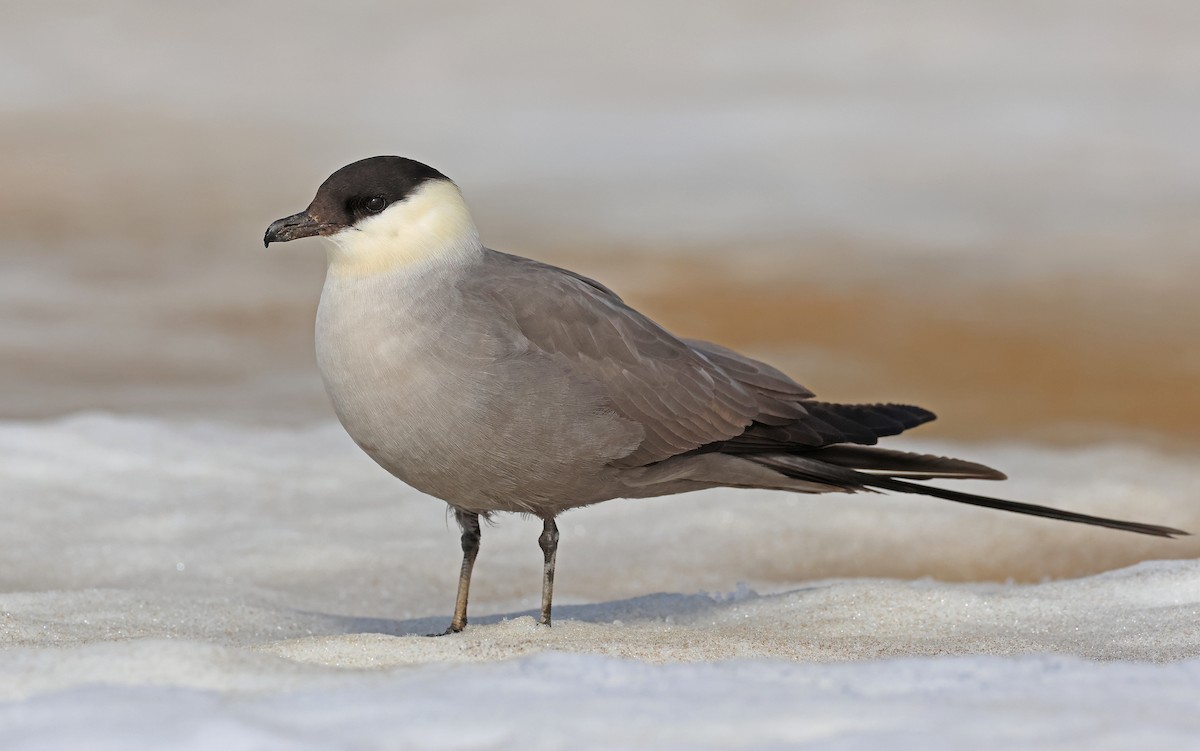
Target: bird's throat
<point>430,227</point>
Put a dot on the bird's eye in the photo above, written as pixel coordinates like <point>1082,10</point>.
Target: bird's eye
<point>375,204</point>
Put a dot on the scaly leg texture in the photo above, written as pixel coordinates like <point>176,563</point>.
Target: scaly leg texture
<point>469,523</point>
<point>549,544</point>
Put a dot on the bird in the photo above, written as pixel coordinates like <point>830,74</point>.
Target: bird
<point>498,383</point>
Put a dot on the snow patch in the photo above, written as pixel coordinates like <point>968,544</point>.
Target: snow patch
<point>192,585</point>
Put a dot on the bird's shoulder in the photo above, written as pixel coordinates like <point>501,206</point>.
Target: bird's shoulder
<point>562,312</point>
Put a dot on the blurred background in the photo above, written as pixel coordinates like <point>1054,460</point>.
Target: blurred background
<point>988,208</point>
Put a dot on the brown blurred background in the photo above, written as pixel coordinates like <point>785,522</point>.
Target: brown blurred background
<point>988,207</point>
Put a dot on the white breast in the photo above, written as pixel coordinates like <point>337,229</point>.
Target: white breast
<point>377,349</point>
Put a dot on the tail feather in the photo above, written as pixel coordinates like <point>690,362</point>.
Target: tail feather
<point>812,470</point>
<point>891,463</point>
<point>888,483</point>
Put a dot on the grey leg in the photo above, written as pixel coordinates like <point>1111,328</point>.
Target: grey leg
<point>469,523</point>
<point>549,544</point>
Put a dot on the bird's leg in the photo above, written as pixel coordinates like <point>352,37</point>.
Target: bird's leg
<point>469,522</point>
<point>549,544</point>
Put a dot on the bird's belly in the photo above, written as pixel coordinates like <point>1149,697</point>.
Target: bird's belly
<point>481,433</point>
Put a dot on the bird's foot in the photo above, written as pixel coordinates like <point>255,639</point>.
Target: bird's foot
<point>453,628</point>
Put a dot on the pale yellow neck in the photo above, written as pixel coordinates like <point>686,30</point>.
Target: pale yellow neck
<point>430,227</point>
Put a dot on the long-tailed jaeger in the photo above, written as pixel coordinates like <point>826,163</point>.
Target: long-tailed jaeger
<point>498,383</point>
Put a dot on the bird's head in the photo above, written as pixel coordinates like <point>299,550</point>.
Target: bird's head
<point>383,213</point>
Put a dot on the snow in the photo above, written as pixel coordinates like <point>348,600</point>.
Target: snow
<point>192,584</point>
<point>577,701</point>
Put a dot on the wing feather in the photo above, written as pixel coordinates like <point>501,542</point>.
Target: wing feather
<point>686,395</point>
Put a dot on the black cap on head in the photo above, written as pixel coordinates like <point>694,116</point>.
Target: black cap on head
<point>356,191</point>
